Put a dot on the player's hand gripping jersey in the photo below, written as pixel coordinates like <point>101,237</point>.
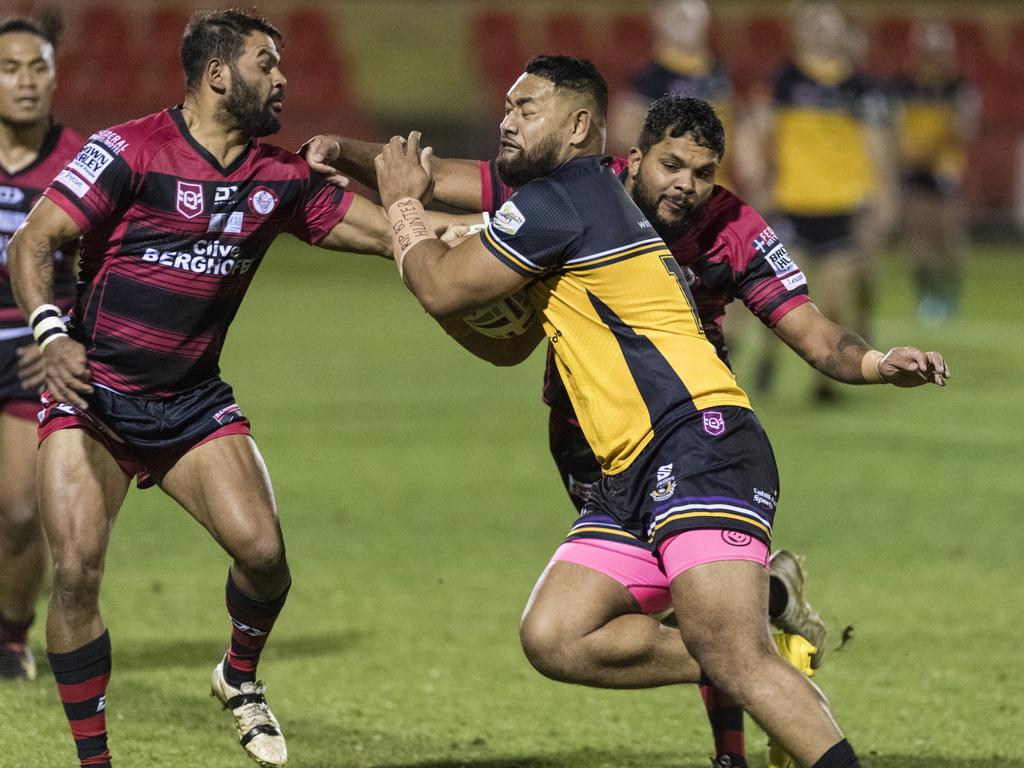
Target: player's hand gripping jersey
<point>172,241</point>
<point>616,308</point>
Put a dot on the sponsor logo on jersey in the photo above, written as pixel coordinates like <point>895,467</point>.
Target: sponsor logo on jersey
<point>794,281</point>
<point>73,181</point>
<point>779,260</point>
<point>508,219</point>
<point>765,240</point>
<point>111,140</point>
<point>190,199</point>
<point>224,194</point>
<point>714,422</point>
<point>230,223</point>
<point>208,257</point>
<point>262,201</point>
<point>11,195</point>
<point>666,484</point>
<point>91,161</point>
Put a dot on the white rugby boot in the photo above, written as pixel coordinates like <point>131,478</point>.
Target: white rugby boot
<point>258,729</point>
<point>799,617</point>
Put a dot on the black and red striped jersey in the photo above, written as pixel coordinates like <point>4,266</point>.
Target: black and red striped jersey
<point>18,193</point>
<point>171,241</point>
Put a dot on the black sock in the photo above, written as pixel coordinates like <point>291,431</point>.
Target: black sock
<point>839,755</point>
<point>778,597</point>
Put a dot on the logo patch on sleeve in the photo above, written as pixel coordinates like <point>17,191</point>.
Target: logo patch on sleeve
<point>779,260</point>
<point>91,161</point>
<point>794,281</point>
<point>72,182</point>
<point>508,219</point>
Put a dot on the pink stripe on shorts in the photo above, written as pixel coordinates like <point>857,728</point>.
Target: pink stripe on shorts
<point>690,548</point>
<point>635,568</point>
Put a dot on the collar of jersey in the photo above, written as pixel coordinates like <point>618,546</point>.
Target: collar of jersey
<point>224,170</point>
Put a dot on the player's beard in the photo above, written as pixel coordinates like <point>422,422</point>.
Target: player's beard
<point>528,165</point>
<point>248,109</point>
<point>668,230</point>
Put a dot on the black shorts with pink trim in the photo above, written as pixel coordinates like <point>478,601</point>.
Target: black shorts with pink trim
<point>711,470</point>
<point>147,436</point>
<point>15,400</point>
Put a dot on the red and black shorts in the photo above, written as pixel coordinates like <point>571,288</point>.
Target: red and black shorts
<point>714,469</point>
<point>147,436</point>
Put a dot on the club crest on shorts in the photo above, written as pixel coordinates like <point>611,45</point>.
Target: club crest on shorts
<point>714,422</point>
<point>666,484</point>
<point>190,199</point>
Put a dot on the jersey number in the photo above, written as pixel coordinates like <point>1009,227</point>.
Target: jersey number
<point>677,272</point>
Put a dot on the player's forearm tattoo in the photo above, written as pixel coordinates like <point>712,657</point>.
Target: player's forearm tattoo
<point>844,364</point>
<point>408,227</point>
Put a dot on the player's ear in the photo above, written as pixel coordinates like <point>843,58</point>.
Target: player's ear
<point>218,75</point>
<point>635,158</point>
<point>582,121</point>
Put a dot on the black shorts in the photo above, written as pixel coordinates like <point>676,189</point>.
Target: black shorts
<point>931,183</point>
<point>715,469</point>
<point>577,465</point>
<point>10,387</point>
<point>147,436</point>
<point>818,236</point>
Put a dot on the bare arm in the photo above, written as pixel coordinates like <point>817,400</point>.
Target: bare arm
<point>844,356</point>
<point>501,352</point>
<point>456,182</point>
<point>30,264</point>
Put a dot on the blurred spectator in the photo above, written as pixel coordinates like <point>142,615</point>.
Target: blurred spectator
<point>683,65</point>
<point>822,148</point>
<point>937,115</point>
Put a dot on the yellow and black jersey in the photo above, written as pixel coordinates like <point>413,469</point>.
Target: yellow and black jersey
<point>822,165</point>
<point>928,117</point>
<point>615,307</point>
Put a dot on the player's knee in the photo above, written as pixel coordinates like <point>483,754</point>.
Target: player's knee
<point>19,528</point>
<point>547,647</point>
<point>77,577</point>
<point>262,559</point>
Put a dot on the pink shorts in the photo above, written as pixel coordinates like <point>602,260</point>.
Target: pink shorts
<point>647,576</point>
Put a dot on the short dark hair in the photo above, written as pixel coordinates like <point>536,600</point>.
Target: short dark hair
<point>677,116</point>
<point>573,74</point>
<point>218,34</point>
<point>47,25</point>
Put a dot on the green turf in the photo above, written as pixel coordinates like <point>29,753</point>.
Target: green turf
<point>419,504</point>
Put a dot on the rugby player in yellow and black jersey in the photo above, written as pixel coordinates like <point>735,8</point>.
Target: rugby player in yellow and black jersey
<point>685,461</point>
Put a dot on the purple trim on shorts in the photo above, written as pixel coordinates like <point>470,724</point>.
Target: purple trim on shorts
<point>714,499</point>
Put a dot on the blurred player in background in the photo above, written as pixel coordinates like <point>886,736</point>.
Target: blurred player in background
<point>33,149</point>
<point>824,146</point>
<point>683,65</point>
<point>177,210</point>
<point>726,250</point>
<point>937,116</point>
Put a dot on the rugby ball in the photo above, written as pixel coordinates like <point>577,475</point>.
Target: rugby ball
<point>504,319</point>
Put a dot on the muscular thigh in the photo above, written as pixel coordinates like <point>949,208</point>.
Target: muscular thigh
<point>224,485</point>
<point>81,488</point>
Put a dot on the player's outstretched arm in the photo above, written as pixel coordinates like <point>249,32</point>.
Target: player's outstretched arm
<point>446,280</point>
<point>456,182</point>
<point>30,265</point>
<point>365,229</point>
<point>844,356</point>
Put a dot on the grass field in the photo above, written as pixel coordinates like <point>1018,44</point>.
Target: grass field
<point>419,505</point>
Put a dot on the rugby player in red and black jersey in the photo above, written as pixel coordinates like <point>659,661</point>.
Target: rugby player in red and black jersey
<point>33,149</point>
<point>175,210</point>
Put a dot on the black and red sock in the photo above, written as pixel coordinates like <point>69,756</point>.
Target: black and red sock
<point>251,622</point>
<point>726,718</point>
<point>82,677</point>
